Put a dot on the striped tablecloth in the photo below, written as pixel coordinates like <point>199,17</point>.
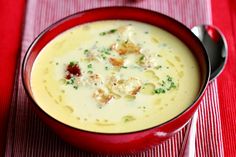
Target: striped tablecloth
<point>29,137</point>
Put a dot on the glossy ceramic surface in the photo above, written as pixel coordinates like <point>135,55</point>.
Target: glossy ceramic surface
<point>216,46</point>
<point>123,142</point>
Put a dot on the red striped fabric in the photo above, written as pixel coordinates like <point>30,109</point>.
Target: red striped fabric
<point>28,136</point>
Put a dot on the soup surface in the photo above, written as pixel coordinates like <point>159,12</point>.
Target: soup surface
<point>115,76</point>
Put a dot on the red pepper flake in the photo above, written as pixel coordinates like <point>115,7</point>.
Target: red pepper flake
<point>72,70</point>
<point>68,76</point>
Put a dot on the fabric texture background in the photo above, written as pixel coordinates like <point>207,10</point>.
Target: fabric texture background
<point>11,17</point>
<point>224,17</point>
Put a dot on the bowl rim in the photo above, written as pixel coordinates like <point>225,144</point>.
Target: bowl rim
<point>58,23</point>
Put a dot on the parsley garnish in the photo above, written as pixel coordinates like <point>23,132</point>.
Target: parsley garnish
<point>141,58</point>
<point>108,32</point>
<point>103,56</point>
<point>163,83</point>
<point>172,85</point>
<point>102,33</point>
<point>166,85</point>
<point>86,51</point>
<point>75,87</point>
<point>72,63</point>
<point>112,30</point>
<point>70,81</point>
<point>90,66</point>
<point>158,67</point>
<point>159,90</point>
<point>90,71</point>
<point>128,118</point>
<point>169,78</point>
<point>106,51</point>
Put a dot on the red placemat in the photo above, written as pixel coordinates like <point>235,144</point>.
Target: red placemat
<point>11,17</point>
<point>27,136</point>
<point>224,16</point>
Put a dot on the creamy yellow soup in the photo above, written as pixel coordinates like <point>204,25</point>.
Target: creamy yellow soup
<point>115,76</point>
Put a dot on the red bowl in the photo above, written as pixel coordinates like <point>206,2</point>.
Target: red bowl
<point>118,142</point>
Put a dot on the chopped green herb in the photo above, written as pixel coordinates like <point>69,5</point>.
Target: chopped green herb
<point>141,58</point>
<point>146,32</point>
<point>159,91</point>
<point>163,83</point>
<point>102,33</point>
<point>106,51</point>
<point>108,32</point>
<point>166,85</point>
<point>158,67</point>
<point>106,68</point>
<point>169,78</point>
<point>75,87</point>
<point>57,63</point>
<point>128,118</point>
<point>72,63</point>
<point>103,56</point>
<point>90,66</point>
<point>112,30</point>
<point>70,81</point>
<point>125,67</point>
<point>172,85</point>
<point>90,71</point>
<point>86,51</point>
